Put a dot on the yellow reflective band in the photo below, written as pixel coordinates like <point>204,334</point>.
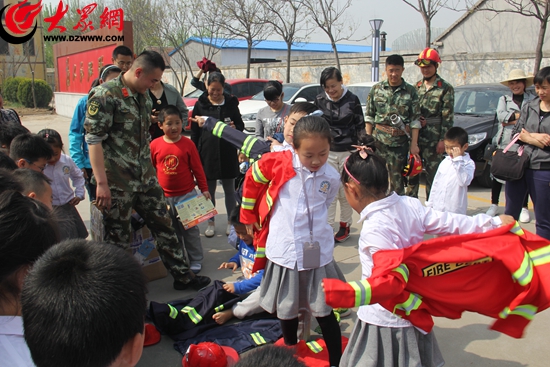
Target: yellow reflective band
<point>315,347</point>
<point>247,145</point>
<point>362,292</point>
<point>218,129</point>
<point>526,311</point>
<point>173,312</point>
<point>257,174</point>
<point>258,338</point>
<point>248,203</point>
<point>525,272</point>
<point>260,252</point>
<point>516,229</point>
<point>268,200</point>
<point>412,303</point>
<point>404,271</point>
<point>193,314</point>
<point>540,256</point>
<point>219,308</point>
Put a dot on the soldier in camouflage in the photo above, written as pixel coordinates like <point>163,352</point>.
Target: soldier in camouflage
<point>117,124</point>
<point>437,112</point>
<point>394,99</point>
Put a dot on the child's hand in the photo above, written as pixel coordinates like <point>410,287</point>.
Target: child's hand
<point>506,219</point>
<point>455,152</point>
<point>207,195</point>
<point>229,287</point>
<point>230,265</point>
<point>74,201</point>
<point>274,142</point>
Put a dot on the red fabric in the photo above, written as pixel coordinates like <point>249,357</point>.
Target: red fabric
<point>440,274</point>
<point>304,354</point>
<point>178,165</point>
<point>277,169</point>
<point>206,65</point>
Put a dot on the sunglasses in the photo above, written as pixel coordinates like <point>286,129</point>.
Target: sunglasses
<point>423,63</point>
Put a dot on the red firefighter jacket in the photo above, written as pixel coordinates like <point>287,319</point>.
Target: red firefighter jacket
<point>501,274</point>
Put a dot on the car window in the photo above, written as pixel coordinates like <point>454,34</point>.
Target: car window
<point>477,101</point>
<point>361,92</point>
<point>309,93</point>
<point>241,90</point>
<point>256,87</point>
<point>194,94</point>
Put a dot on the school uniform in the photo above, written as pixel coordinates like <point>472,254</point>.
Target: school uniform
<point>13,348</point>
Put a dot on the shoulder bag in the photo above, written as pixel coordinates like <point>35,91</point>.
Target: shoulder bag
<point>509,166</point>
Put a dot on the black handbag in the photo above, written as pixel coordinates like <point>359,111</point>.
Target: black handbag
<point>509,166</point>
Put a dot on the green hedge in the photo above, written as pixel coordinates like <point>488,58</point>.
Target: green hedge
<point>9,91</point>
<point>42,91</point>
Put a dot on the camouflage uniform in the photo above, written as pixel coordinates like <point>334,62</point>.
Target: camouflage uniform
<point>437,106</point>
<point>119,120</point>
<point>383,102</point>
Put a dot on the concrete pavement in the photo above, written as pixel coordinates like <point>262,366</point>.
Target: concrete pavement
<point>464,342</point>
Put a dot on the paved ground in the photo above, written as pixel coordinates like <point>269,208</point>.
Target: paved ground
<point>464,342</point>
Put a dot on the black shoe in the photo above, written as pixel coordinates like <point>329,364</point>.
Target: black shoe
<point>197,283</point>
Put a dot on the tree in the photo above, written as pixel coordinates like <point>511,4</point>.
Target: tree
<point>428,9</point>
<point>145,18</point>
<point>287,18</point>
<point>329,16</point>
<point>538,9</point>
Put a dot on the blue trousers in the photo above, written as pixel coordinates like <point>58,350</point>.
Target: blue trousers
<point>537,184</point>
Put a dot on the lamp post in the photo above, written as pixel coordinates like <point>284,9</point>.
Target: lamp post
<point>375,24</point>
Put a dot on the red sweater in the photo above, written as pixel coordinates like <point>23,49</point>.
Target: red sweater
<point>178,165</point>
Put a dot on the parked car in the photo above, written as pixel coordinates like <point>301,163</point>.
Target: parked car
<point>294,92</point>
<point>475,112</point>
<point>241,88</point>
<point>362,91</point>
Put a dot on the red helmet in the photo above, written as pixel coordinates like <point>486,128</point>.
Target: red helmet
<point>413,167</point>
<point>428,56</point>
<point>208,354</point>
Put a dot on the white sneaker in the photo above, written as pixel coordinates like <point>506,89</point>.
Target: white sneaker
<point>228,230</point>
<point>524,217</point>
<point>210,230</point>
<point>493,210</point>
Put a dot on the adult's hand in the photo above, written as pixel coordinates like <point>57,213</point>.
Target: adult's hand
<point>440,148</point>
<point>103,196</point>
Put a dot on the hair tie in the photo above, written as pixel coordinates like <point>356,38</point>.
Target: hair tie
<point>363,150</point>
<point>47,135</point>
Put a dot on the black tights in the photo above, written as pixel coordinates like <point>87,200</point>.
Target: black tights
<point>496,187</point>
<point>331,334</point>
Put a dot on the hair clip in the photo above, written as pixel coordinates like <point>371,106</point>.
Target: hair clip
<point>47,135</point>
<point>363,150</point>
<point>316,113</point>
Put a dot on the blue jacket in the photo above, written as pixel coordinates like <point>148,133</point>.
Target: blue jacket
<point>78,148</point>
<point>245,259</point>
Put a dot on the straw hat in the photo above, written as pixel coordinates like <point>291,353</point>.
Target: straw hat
<point>518,74</point>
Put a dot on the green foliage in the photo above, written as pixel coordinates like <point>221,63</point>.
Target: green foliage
<point>9,90</point>
<point>42,91</point>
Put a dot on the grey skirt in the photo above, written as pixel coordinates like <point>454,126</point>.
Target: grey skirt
<point>375,346</point>
<point>285,291</point>
<point>69,222</point>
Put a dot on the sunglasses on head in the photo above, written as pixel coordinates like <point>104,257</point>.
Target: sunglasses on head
<point>423,62</point>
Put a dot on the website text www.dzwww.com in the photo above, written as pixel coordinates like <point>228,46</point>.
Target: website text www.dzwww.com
<point>82,38</point>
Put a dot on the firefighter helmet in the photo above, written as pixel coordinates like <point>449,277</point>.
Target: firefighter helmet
<point>428,56</point>
<point>413,167</point>
<point>208,354</point>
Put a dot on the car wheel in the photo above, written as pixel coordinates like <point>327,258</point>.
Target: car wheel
<point>485,178</point>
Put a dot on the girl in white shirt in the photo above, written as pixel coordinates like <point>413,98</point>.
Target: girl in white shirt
<point>61,169</point>
<point>380,338</point>
<point>300,244</point>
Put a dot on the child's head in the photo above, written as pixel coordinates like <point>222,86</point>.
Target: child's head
<point>30,151</point>
<point>84,305</point>
<point>53,138</point>
<point>312,140</point>
<point>8,131</point>
<point>170,122</point>
<point>270,356</point>
<point>8,181</point>
<point>27,230</point>
<point>365,175</point>
<point>108,72</point>
<point>297,111</point>
<point>6,162</point>
<point>240,229</point>
<point>35,185</point>
<point>456,141</point>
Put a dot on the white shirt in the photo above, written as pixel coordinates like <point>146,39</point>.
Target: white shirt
<point>13,348</point>
<point>60,173</point>
<point>450,188</point>
<point>397,222</point>
<point>282,148</point>
<point>289,225</point>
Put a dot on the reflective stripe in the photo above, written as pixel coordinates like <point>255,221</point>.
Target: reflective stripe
<point>218,129</point>
<point>193,314</point>
<point>362,292</point>
<point>516,229</point>
<point>257,174</point>
<point>525,272</point>
<point>269,200</point>
<point>173,312</point>
<point>540,256</point>
<point>247,145</point>
<point>315,347</point>
<point>248,203</point>
<point>404,271</point>
<point>260,252</point>
<point>526,311</point>
<point>219,308</point>
<point>412,303</point>
<point>258,338</point>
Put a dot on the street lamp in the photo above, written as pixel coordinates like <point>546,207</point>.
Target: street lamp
<point>375,24</point>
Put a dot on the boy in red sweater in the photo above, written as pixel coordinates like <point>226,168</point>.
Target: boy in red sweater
<point>178,165</point>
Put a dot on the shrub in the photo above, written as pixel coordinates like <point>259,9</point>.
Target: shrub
<point>42,91</point>
<point>9,92</point>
